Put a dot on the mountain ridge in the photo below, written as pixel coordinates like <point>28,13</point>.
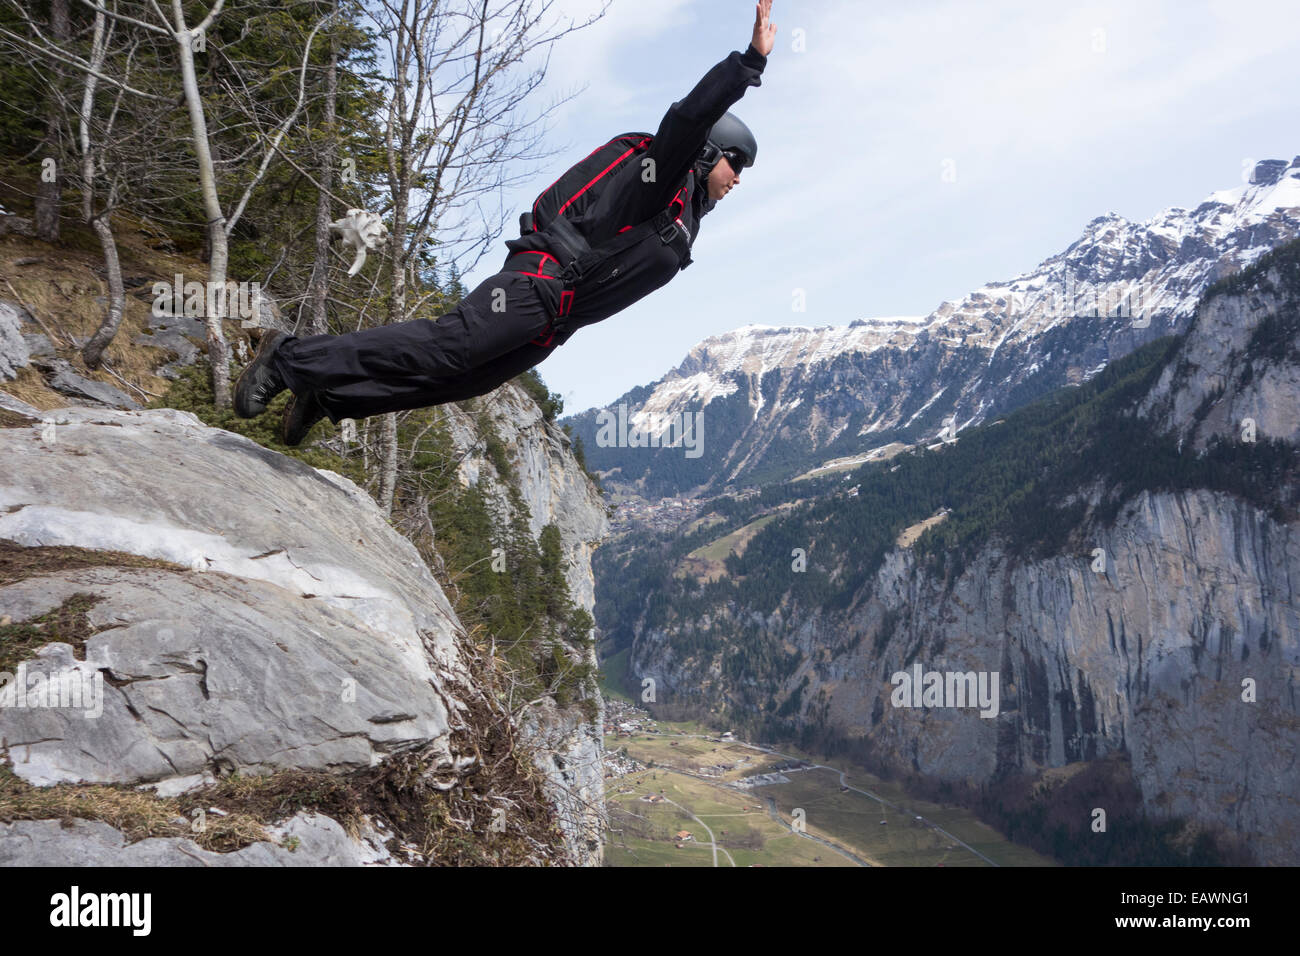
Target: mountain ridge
<point>1122,554</point>
<point>780,399</point>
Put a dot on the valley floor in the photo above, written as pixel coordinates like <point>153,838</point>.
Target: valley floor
<point>698,799</point>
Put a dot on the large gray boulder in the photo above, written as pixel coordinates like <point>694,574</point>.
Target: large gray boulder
<point>199,672</point>
<point>284,624</point>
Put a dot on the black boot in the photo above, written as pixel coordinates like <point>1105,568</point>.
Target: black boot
<point>302,412</point>
<point>259,382</point>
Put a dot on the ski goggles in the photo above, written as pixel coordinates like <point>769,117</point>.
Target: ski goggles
<point>735,159</point>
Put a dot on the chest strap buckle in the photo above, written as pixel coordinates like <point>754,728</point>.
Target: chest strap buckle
<point>673,231</point>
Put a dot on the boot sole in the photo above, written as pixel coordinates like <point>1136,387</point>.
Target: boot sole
<point>244,405</point>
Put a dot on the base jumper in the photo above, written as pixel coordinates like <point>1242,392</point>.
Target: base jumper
<point>609,232</point>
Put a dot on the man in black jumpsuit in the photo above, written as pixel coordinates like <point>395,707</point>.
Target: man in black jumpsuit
<point>513,320</point>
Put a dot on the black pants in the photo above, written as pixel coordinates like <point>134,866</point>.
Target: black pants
<point>485,341</point>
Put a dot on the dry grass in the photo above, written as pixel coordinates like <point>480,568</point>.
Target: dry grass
<point>138,814</point>
<point>430,826</point>
<point>907,537</point>
<point>18,562</point>
<point>67,297</point>
<point>10,419</point>
<point>67,624</point>
<point>30,387</point>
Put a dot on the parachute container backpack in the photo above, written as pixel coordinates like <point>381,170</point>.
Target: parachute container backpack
<point>562,217</point>
<point>569,197</point>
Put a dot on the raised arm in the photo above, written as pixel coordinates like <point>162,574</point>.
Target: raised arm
<point>685,127</point>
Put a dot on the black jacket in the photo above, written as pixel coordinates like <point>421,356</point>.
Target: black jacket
<point>626,199</point>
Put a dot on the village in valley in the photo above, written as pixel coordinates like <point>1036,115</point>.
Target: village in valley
<point>664,514</point>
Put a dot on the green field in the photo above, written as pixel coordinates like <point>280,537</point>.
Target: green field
<point>735,541</point>
<point>849,819</point>
<point>642,834</point>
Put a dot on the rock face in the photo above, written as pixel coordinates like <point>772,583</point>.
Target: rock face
<point>16,225</point>
<point>62,377</point>
<point>14,352</point>
<point>1182,649</point>
<point>24,343</point>
<point>210,671</point>
<point>775,402</point>
<point>180,337</point>
<point>548,477</point>
<point>1148,657</point>
<point>555,491</point>
<point>1268,171</point>
<point>320,841</point>
<point>1236,368</point>
<point>283,624</point>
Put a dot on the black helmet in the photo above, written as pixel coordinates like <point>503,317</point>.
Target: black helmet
<point>731,137</point>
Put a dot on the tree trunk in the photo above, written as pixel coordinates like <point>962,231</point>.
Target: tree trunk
<point>94,349</point>
<point>48,194</point>
<point>217,351</point>
<point>317,289</point>
<point>388,475</point>
<point>93,352</point>
<point>396,313</point>
<point>365,448</point>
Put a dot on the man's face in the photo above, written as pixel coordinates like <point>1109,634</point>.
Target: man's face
<point>722,179</point>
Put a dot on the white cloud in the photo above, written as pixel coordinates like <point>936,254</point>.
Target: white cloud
<point>610,56</point>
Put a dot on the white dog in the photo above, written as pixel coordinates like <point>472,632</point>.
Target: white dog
<point>361,230</point>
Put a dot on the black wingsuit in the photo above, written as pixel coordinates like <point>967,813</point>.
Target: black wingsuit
<point>513,320</point>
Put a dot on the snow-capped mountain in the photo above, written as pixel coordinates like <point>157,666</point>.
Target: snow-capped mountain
<point>770,402</point>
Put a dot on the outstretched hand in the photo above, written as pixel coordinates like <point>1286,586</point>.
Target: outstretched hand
<point>764,30</point>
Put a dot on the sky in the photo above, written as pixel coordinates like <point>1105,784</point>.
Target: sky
<point>909,152</point>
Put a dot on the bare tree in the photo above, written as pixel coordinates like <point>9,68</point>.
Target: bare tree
<point>116,145</point>
<point>220,225</point>
<point>97,138</point>
<point>317,287</point>
<point>186,41</point>
<point>49,192</point>
<point>90,163</point>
